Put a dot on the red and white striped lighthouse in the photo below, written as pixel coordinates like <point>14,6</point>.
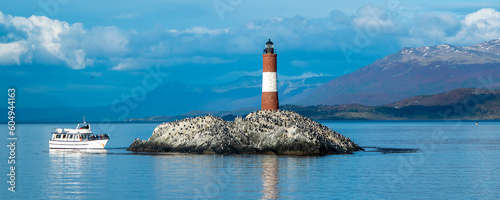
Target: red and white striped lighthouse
<point>269,79</point>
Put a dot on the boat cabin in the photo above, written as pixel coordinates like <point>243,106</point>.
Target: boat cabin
<point>81,133</point>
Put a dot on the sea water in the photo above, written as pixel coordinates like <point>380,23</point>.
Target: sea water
<point>453,160</point>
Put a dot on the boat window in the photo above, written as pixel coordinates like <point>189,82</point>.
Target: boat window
<point>58,136</point>
<point>63,136</point>
<point>86,126</point>
<point>70,136</point>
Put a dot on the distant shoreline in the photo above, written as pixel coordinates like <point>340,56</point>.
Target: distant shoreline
<point>323,120</point>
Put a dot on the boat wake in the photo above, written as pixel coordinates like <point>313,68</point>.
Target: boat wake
<point>385,150</point>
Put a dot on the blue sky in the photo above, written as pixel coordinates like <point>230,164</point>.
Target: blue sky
<point>50,57</point>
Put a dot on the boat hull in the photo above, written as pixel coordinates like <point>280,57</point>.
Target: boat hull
<point>90,144</point>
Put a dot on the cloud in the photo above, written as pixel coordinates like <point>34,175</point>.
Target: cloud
<point>130,64</point>
<point>339,17</point>
<point>483,24</point>
<point>236,74</point>
<point>431,28</point>
<point>302,76</point>
<point>43,40</point>
<point>200,30</point>
<point>141,62</point>
<point>39,39</point>
<point>10,53</point>
<point>125,15</point>
<point>109,41</point>
<point>372,16</point>
<point>56,42</point>
<point>299,63</point>
<point>205,30</point>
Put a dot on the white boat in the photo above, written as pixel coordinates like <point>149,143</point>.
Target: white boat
<point>79,138</point>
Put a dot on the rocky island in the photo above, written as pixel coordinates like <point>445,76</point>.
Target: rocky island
<point>262,132</point>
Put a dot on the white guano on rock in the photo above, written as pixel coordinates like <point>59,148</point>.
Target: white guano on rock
<point>262,132</point>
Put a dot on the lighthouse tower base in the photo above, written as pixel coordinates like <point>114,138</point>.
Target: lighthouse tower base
<point>269,101</point>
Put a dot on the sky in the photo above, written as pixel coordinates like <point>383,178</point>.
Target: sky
<point>90,53</point>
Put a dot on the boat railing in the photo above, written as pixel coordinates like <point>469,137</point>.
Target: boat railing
<point>100,137</point>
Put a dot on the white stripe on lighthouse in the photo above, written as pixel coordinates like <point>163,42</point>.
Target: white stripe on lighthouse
<point>269,82</point>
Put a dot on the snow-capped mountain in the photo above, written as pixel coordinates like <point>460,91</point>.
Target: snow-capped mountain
<point>414,71</point>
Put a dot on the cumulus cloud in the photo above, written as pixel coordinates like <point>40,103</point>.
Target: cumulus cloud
<point>42,36</point>
<point>44,40</point>
<point>10,53</point>
<point>483,24</point>
<point>484,19</point>
<point>430,28</point>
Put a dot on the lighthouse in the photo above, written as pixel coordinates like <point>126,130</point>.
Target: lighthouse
<point>269,79</point>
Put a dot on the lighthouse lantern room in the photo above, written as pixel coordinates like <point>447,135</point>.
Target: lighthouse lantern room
<point>269,47</point>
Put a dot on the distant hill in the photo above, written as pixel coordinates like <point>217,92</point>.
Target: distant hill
<point>412,72</point>
<point>467,104</point>
<point>458,96</point>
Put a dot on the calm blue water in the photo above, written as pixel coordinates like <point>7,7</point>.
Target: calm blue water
<point>455,161</point>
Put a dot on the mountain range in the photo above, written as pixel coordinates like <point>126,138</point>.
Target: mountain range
<point>413,72</point>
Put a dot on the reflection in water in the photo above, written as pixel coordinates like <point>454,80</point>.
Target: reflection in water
<point>468,155</point>
<point>71,172</point>
<point>270,177</point>
<point>196,176</point>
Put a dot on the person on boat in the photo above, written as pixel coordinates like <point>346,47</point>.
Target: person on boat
<point>85,127</point>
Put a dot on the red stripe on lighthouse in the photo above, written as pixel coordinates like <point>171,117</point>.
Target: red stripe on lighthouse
<point>269,82</point>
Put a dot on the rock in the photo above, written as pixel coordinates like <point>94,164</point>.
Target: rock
<point>262,132</point>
